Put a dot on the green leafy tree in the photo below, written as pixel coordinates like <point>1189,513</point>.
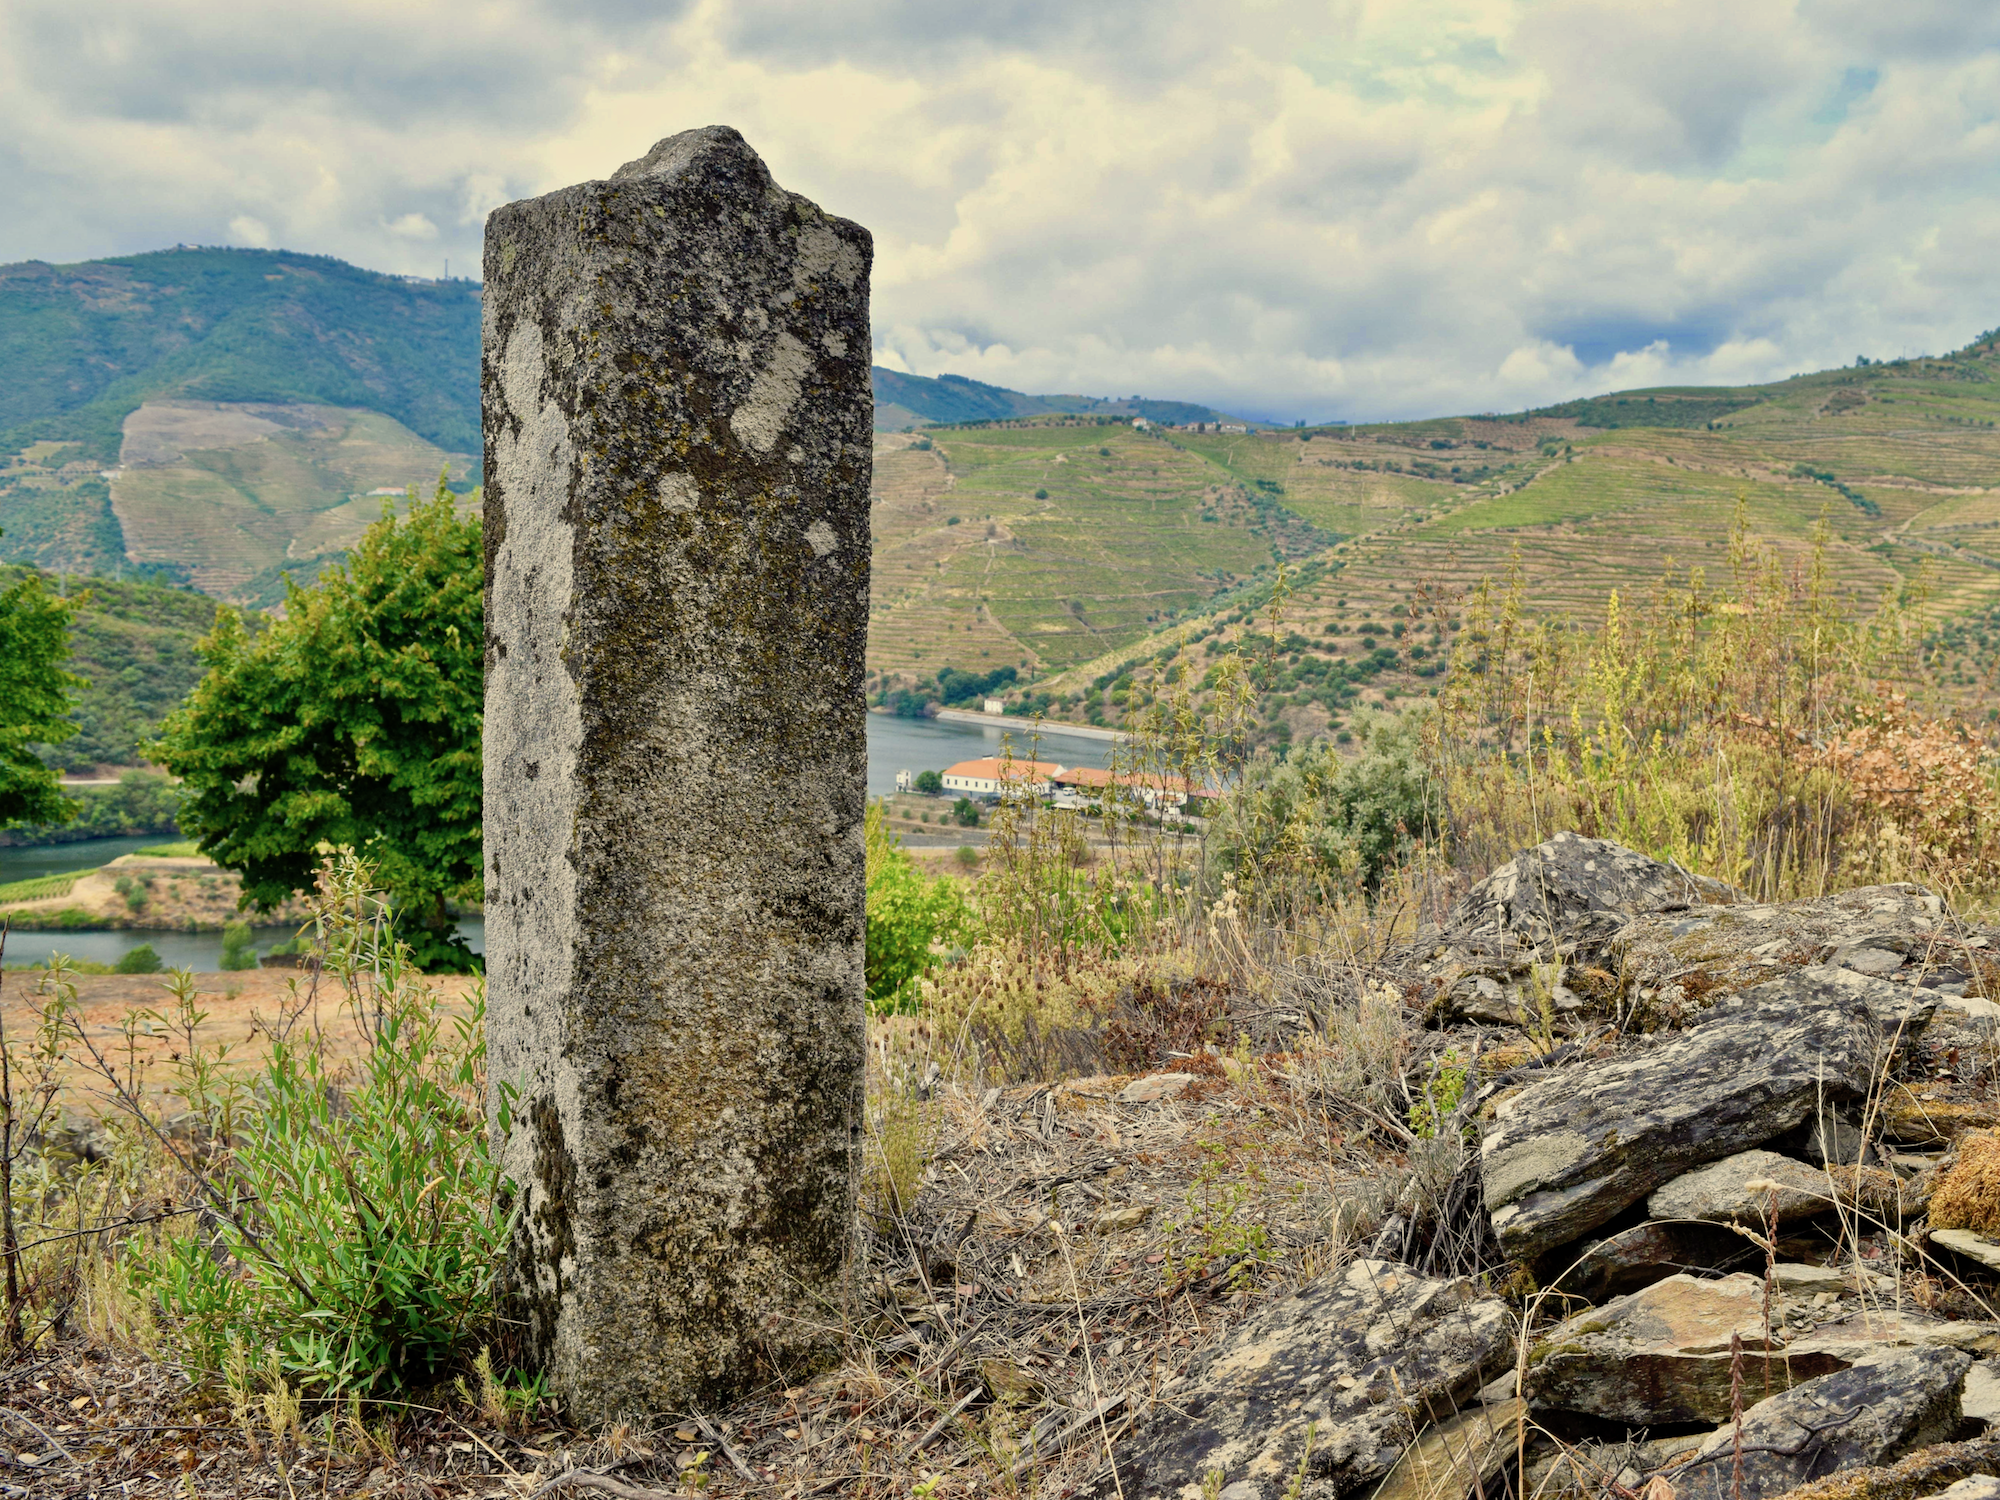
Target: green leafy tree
<point>930,783</point>
<point>352,721</point>
<point>965,813</point>
<point>34,699</point>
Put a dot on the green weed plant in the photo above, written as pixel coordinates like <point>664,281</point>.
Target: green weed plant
<point>913,918</point>
<point>353,1222</point>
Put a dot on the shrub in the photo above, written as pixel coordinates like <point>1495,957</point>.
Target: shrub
<point>140,960</point>
<point>1743,730</point>
<point>1317,822</point>
<point>237,952</point>
<point>965,813</point>
<point>909,916</point>
<point>355,1217</point>
<point>141,802</point>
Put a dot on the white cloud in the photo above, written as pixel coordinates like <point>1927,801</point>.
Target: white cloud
<point>1356,208</point>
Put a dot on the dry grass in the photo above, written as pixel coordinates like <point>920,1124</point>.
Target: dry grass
<point>1967,1195</point>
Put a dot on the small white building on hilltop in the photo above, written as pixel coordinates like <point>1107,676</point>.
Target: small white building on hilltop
<point>986,776</point>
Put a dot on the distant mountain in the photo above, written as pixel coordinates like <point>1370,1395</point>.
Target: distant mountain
<point>85,345</point>
<point>916,400</point>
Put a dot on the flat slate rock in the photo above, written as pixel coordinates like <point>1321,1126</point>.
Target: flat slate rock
<point>1875,1411</point>
<point>1661,1355</point>
<point>1573,1151</point>
<point>1637,1257</point>
<point>1366,1359</point>
<point>1566,889</point>
<point>1969,1244</point>
<point>1974,1487</point>
<point>1900,930</point>
<point>1722,1191</point>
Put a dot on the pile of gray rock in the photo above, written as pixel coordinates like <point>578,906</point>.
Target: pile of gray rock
<point>1707,1184</point>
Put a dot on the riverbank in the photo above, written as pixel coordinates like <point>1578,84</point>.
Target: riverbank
<point>147,893</point>
<point>1025,727</point>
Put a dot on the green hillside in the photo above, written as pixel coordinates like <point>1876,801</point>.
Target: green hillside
<point>904,401</point>
<point>1079,553</point>
<point>133,645</point>
<point>84,345</point>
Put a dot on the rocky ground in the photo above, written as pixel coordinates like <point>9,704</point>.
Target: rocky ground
<point>1640,1192</point>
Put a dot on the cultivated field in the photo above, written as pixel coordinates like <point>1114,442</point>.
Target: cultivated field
<point>1145,542</point>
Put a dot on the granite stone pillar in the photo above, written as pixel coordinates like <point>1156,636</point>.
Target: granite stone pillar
<point>678,435</point>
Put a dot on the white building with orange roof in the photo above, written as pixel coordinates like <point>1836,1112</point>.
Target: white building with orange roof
<point>1159,792</point>
<point>987,776</point>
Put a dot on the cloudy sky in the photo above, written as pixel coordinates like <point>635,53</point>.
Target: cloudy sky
<point>1360,208</point>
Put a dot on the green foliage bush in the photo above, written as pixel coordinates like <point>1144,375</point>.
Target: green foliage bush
<point>909,914</point>
<point>1323,819</point>
<point>965,813</point>
<point>34,698</point>
<point>930,783</point>
<point>140,960</point>
<point>357,1218</point>
<point>237,952</point>
<point>141,802</point>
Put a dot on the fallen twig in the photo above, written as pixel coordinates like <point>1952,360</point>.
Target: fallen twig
<point>584,1479</point>
<point>942,1422</point>
<point>735,1459</point>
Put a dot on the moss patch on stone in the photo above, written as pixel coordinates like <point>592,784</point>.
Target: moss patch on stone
<point>1968,1193</point>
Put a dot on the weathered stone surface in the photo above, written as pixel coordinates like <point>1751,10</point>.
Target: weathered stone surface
<point>1448,1461</point>
<point>1565,890</point>
<point>1972,1246</point>
<point>1367,1358</point>
<point>1567,1154</point>
<point>1154,1087</point>
<point>1661,1355</point>
<point>1921,1473</point>
<point>678,449</point>
<point>1979,1401</point>
<point>1118,1220</point>
<point>1974,1487</point>
<point>1854,1335</point>
<point>1722,1191</point>
<point>1637,1257</point>
<point>1875,1411</point>
<point>1794,1279</point>
<point>1679,962</point>
<point>1908,1116</point>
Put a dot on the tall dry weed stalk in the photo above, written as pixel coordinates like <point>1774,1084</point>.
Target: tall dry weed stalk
<point>1740,727</point>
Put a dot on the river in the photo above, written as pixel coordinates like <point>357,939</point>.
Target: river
<point>932,744</point>
<point>893,745</point>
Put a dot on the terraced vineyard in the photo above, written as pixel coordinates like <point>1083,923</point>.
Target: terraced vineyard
<point>1147,542</point>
